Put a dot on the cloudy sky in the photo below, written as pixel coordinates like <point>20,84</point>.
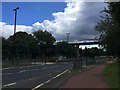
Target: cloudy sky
<point>75,17</point>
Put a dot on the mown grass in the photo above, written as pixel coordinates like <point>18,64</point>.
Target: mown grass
<point>112,75</point>
<point>73,70</point>
<point>76,69</point>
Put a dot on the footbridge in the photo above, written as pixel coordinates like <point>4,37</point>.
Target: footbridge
<point>77,43</point>
<point>85,42</point>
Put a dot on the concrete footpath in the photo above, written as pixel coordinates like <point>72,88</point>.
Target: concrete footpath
<point>92,78</point>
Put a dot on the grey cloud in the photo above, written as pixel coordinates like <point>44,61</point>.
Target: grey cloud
<point>85,24</point>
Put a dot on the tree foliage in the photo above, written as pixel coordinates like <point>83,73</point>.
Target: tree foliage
<point>110,30</point>
<point>92,52</point>
<point>44,37</point>
<point>45,41</point>
<point>32,46</point>
<point>24,45</point>
<point>21,45</point>
<point>64,49</point>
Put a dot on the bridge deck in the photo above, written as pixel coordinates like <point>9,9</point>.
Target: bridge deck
<point>84,43</point>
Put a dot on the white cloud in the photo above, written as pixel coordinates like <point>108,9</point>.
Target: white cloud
<point>64,21</point>
<point>7,30</point>
<point>78,18</point>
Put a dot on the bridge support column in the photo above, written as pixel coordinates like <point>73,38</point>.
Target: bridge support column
<point>78,56</point>
<point>77,62</point>
<point>77,46</point>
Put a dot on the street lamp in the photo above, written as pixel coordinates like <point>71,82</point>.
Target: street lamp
<point>14,50</point>
<point>15,19</point>
<point>67,37</point>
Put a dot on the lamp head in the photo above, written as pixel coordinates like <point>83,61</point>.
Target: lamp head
<point>16,8</point>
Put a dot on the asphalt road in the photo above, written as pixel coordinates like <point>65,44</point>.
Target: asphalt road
<point>32,76</point>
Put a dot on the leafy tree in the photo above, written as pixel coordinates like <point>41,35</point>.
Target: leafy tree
<point>5,49</point>
<point>45,41</point>
<point>64,49</point>
<point>44,37</point>
<point>92,52</point>
<point>22,45</point>
<point>110,30</point>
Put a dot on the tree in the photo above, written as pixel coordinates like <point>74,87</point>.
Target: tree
<point>110,30</point>
<point>22,45</point>
<point>44,37</point>
<point>64,49</point>
<point>45,41</point>
<point>5,49</point>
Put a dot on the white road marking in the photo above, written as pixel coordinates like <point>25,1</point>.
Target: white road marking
<point>38,86</point>
<point>49,80</point>
<point>9,84</point>
<point>21,67</point>
<point>29,66</point>
<point>7,68</point>
<point>6,74</point>
<point>22,71</point>
<point>27,70</point>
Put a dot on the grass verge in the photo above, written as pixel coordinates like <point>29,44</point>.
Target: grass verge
<point>76,69</point>
<point>111,75</point>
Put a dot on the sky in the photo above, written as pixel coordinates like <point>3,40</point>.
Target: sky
<point>30,12</point>
<point>73,16</point>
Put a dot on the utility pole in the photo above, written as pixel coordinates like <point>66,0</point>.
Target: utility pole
<point>67,37</point>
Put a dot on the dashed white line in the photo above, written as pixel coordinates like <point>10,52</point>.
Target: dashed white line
<point>29,66</point>
<point>21,67</point>
<point>6,74</point>
<point>38,86</point>
<point>9,84</point>
<point>7,68</point>
<point>22,71</point>
<point>47,81</point>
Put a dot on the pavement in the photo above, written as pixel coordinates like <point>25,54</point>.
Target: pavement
<point>92,78</point>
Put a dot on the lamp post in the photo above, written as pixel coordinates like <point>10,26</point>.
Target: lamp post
<point>15,19</point>
<point>14,50</point>
<point>67,37</point>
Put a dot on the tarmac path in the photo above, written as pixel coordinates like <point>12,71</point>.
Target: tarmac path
<point>92,78</point>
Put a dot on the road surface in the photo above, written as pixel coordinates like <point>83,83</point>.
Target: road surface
<point>32,76</point>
